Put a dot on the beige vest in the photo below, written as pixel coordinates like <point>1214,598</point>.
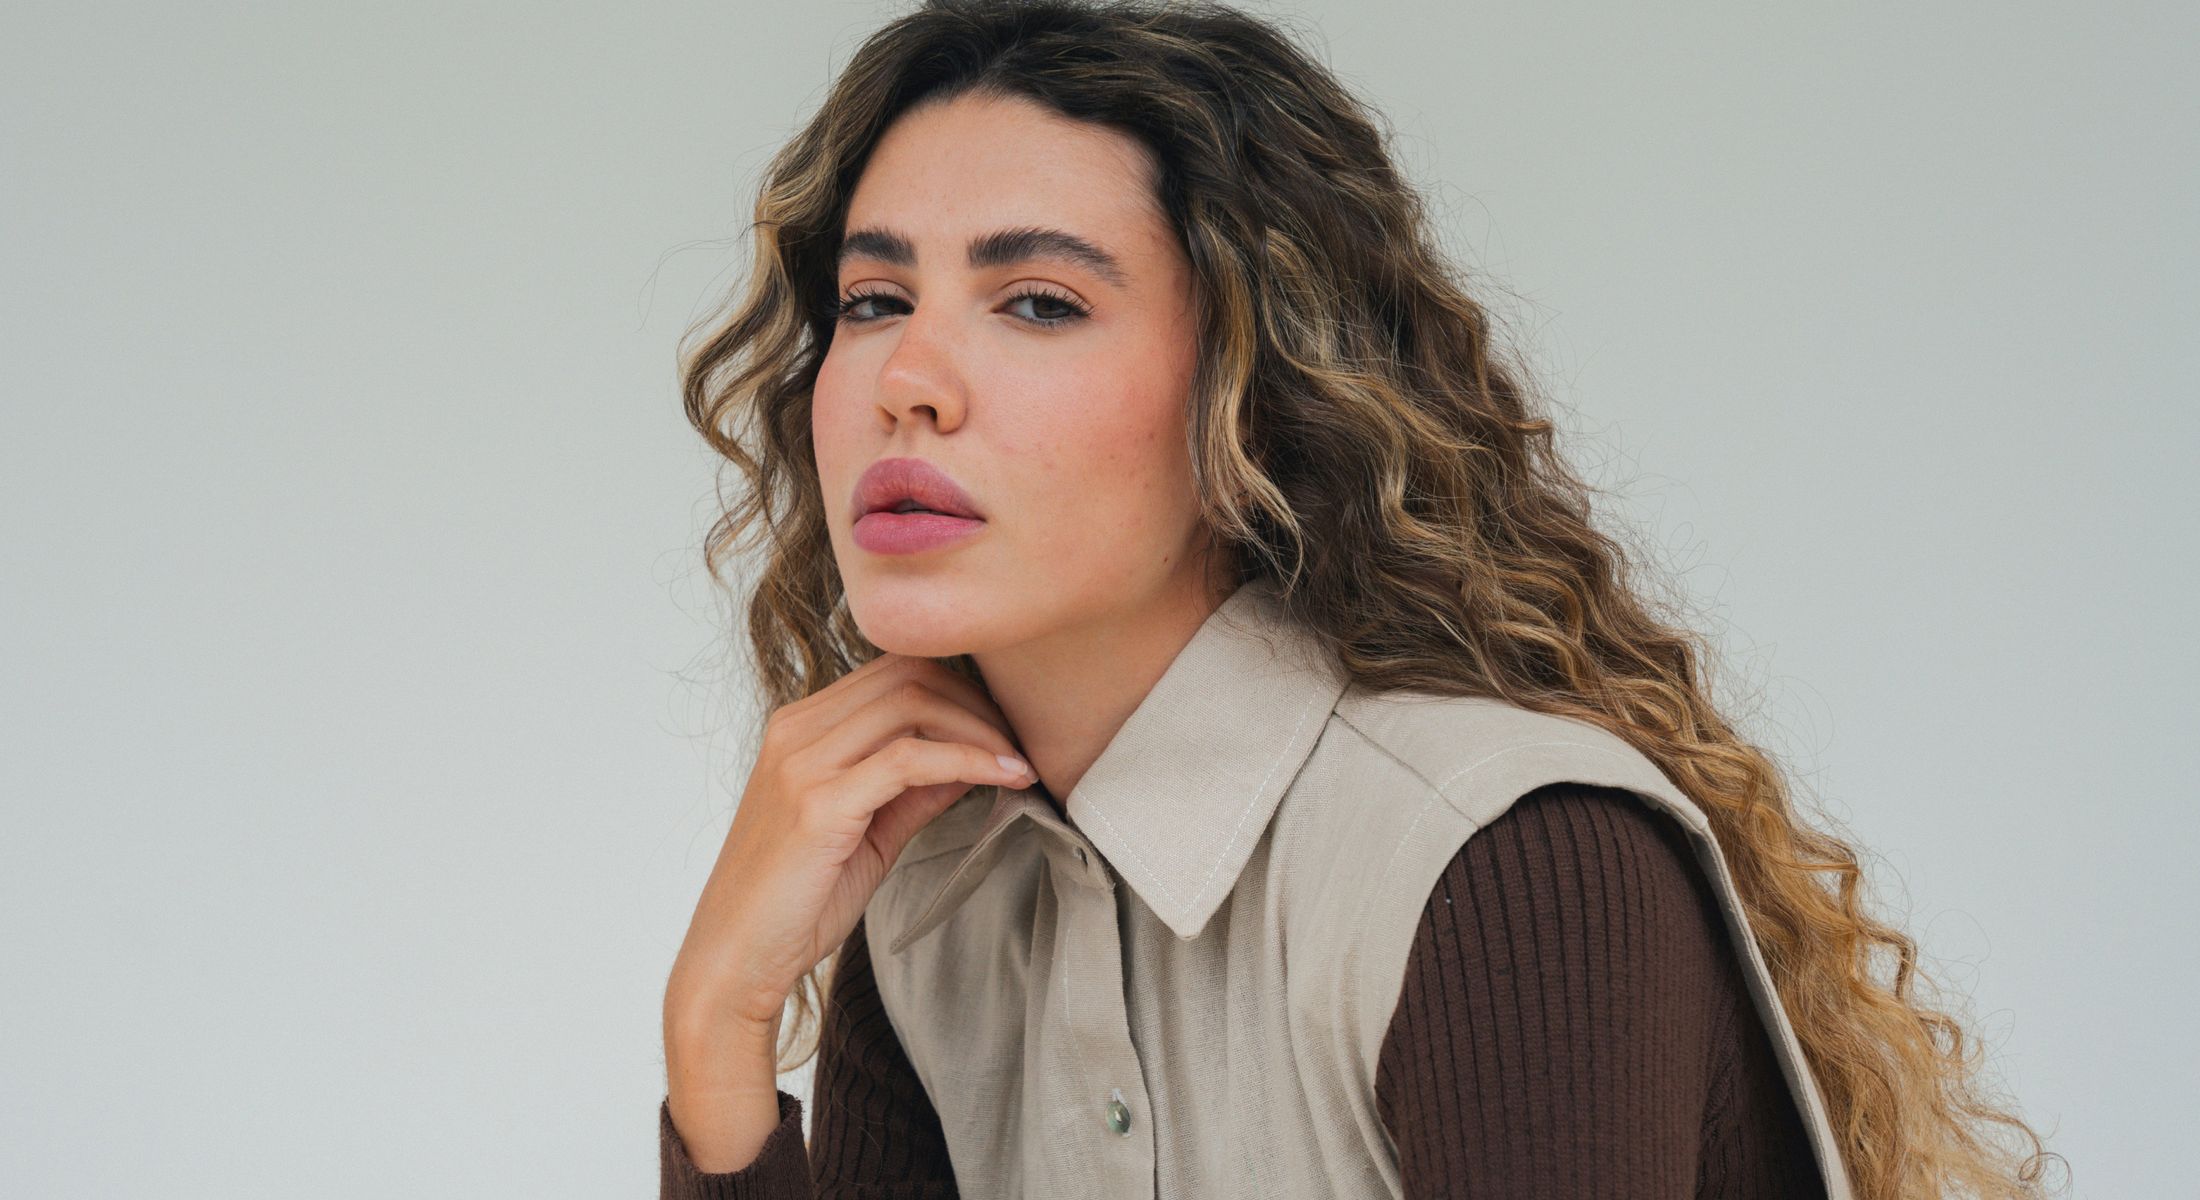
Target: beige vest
<point>1182,989</point>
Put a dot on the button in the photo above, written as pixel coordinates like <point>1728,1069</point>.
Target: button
<point>1119,1114</point>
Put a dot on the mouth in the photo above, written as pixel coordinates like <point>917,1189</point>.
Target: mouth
<point>905,487</point>
<point>905,507</point>
<point>900,507</point>
<point>911,528</point>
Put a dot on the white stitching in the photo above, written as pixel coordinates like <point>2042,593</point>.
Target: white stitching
<point>1436,791</point>
<point>1486,759</point>
<point>1247,812</point>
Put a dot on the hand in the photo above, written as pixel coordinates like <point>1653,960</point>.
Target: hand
<point>844,779</point>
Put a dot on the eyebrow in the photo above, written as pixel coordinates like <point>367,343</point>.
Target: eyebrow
<point>1000,248</point>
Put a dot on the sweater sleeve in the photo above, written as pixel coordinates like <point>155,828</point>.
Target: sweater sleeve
<point>1573,1022</point>
<point>874,1133</point>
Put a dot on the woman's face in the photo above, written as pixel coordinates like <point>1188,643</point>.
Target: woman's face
<point>1047,378</point>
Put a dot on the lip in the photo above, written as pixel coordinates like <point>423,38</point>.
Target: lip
<point>888,482</point>
<point>910,533</point>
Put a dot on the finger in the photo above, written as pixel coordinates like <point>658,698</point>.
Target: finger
<point>967,693</point>
<point>970,693</point>
<point>910,709</point>
<point>839,701</point>
<point>914,762</point>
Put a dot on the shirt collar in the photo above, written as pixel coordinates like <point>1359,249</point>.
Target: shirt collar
<point>1184,790</point>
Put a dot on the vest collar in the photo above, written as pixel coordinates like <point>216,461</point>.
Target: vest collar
<point>1182,793</point>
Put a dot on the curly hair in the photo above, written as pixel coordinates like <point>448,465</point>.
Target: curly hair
<point>1357,435</point>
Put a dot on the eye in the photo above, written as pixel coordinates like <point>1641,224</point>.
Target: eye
<point>1068,309</point>
<point>848,309</point>
<point>843,309</point>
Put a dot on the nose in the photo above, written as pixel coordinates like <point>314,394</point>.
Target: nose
<point>920,374</point>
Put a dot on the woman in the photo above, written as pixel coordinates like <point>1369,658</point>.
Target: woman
<point>1105,406</point>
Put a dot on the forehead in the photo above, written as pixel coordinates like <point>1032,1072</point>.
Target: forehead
<point>976,163</point>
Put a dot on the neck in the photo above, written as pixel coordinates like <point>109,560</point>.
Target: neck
<point>1065,694</point>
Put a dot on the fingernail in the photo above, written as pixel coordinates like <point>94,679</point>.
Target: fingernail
<point>1013,765</point>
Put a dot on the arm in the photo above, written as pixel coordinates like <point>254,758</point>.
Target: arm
<point>1574,1023</point>
<point>874,1132</point>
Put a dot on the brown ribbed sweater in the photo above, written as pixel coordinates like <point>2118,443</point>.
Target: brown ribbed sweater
<point>1573,1023</point>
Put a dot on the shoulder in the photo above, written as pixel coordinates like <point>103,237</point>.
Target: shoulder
<point>1419,787</point>
<point>1566,1000</point>
<point>1571,845</point>
<point>1417,793</point>
<point>1478,753</point>
<point>1593,894</point>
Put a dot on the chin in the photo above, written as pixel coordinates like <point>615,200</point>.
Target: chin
<point>921,643</point>
<point>928,618</point>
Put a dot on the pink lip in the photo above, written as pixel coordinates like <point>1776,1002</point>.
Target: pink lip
<point>908,533</point>
<point>885,484</point>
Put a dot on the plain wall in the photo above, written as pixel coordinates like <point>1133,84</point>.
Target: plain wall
<point>370,725</point>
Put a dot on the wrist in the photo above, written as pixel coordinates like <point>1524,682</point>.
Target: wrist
<point>705,1035</point>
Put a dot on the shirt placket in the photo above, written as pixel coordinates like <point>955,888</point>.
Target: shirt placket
<point>1096,1081</point>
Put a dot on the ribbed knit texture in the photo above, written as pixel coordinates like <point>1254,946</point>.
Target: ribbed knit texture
<point>1573,1023</point>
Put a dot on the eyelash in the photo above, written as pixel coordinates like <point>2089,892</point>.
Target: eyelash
<point>837,309</point>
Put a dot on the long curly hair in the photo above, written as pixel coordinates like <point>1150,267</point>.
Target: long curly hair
<point>1357,435</point>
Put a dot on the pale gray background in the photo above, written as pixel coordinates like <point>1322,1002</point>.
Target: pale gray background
<point>368,731</point>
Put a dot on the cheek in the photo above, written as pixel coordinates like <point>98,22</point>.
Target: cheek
<point>1102,442</point>
<point>826,392</point>
<point>836,409</point>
